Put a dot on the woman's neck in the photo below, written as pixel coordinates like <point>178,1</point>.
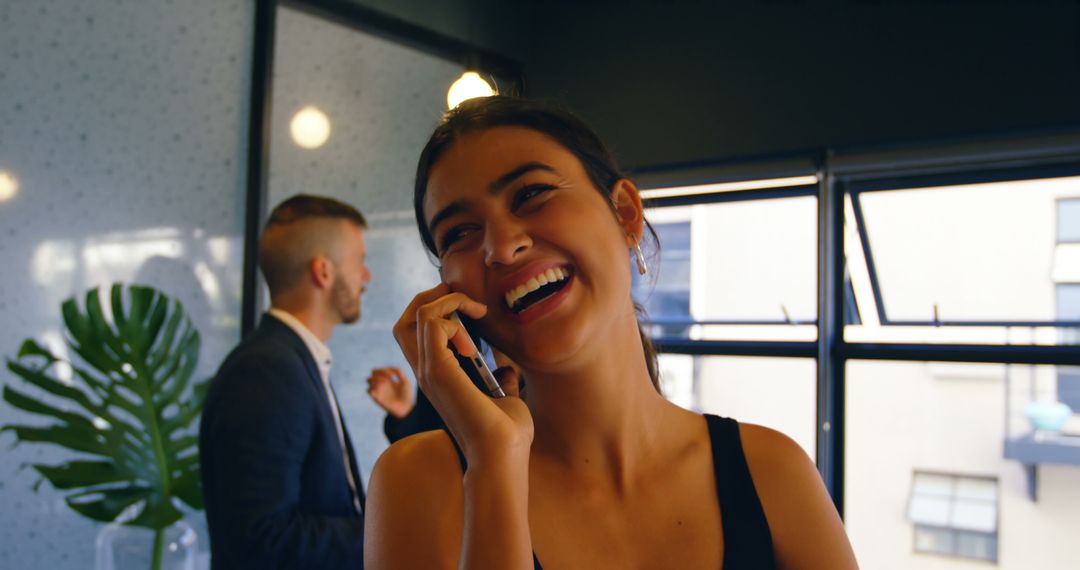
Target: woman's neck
<point>602,416</point>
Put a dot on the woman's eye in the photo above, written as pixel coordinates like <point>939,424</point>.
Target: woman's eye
<point>452,236</point>
<point>527,193</point>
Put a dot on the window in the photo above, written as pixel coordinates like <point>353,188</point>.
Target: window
<point>954,515</point>
<point>734,270</point>
<point>773,392</point>
<point>1068,220</point>
<point>1067,298</point>
<point>668,304</point>
<point>963,263</point>
<point>957,294</point>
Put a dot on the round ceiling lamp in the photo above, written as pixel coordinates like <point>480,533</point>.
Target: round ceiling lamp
<point>8,186</point>
<point>470,85</point>
<point>310,127</point>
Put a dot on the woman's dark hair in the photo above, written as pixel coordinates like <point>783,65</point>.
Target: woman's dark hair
<point>566,129</point>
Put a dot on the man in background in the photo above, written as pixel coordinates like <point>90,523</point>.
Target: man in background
<point>280,479</point>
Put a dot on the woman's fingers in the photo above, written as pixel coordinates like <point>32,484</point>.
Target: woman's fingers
<point>446,304</point>
<point>437,311</point>
<point>509,379</point>
<point>405,327</point>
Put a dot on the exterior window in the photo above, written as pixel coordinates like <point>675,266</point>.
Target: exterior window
<point>1067,275</point>
<point>1068,220</point>
<point>1068,309</point>
<point>669,301</point>
<point>954,515</point>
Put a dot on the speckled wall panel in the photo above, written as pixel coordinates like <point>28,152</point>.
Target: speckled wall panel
<point>124,123</point>
<point>382,100</point>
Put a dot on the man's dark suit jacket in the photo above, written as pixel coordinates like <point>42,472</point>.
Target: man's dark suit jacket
<point>273,474</point>
<point>422,417</point>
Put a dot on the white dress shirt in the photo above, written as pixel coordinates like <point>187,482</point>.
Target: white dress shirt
<point>323,359</point>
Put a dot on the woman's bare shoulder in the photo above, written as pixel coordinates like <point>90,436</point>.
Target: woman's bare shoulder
<point>782,471</point>
<point>768,447</point>
<point>421,464</point>
<point>415,492</point>
<point>424,447</point>
<point>805,527</point>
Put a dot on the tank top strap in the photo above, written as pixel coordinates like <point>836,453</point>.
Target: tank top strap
<point>747,540</point>
<point>465,467</point>
<point>457,448</point>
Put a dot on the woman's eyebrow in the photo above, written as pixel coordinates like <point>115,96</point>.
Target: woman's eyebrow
<point>451,209</point>
<point>517,172</point>
<point>495,187</point>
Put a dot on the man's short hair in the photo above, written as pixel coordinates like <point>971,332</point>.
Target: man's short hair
<point>299,229</point>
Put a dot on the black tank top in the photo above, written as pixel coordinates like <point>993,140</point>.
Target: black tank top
<point>747,541</point>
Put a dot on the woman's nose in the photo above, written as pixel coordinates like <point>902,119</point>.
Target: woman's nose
<point>504,242</point>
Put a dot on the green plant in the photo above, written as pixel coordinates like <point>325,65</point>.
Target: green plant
<point>128,410</point>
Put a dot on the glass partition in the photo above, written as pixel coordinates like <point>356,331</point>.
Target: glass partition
<point>351,113</point>
<point>121,160</point>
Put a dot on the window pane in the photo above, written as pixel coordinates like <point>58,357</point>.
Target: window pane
<point>930,510</point>
<point>957,255</point>
<point>1068,220</point>
<point>773,392</point>
<point>1068,388</point>
<point>931,539</point>
<point>976,545</point>
<point>124,126</point>
<point>976,489</point>
<point>974,515</point>
<point>381,99</point>
<point>742,270</point>
<point>908,417</point>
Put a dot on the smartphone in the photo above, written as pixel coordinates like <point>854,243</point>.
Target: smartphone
<point>477,362</point>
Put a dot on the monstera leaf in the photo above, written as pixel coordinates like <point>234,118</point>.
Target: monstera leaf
<point>127,411</point>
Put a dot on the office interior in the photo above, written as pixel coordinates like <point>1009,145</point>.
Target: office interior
<point>869,214</point>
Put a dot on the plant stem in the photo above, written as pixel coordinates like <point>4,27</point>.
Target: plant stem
<point>159,548</point>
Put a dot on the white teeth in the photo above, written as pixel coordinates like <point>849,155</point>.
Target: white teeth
<point>549,276</point>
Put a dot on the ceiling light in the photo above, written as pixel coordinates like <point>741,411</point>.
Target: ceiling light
<point>309,127</point>
<point>8,186</point>
<point>470,85</point>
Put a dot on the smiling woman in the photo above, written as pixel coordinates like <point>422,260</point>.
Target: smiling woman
<point>533,227</point>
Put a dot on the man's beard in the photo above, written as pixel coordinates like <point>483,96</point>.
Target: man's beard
<point>345,303</point>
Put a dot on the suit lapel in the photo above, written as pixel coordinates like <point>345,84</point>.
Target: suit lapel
<point>281,330</point>
<point>352,454</point>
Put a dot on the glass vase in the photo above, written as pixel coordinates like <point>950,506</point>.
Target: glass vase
<point>124,547</point>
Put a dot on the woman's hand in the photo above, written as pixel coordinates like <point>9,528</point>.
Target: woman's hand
<point>488,430</point>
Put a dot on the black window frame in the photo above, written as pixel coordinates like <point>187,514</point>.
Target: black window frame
<point>836,307</point>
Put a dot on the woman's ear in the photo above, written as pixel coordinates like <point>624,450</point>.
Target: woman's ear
<point>626,200</point>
